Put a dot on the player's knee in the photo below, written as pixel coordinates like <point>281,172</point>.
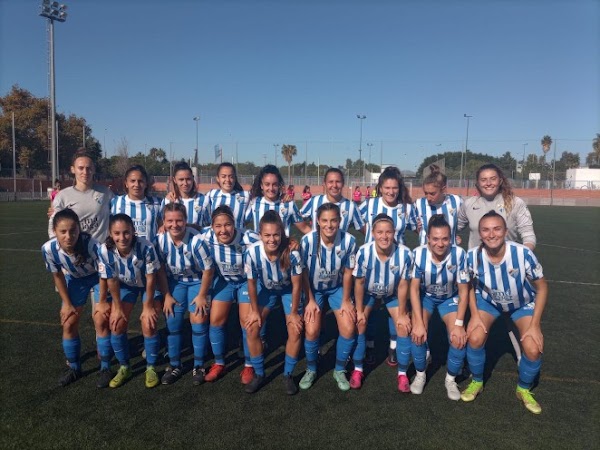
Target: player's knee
<point>476,339</point>
<point>530,349</point>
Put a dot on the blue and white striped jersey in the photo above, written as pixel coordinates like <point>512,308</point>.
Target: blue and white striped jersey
<point>258,266</point>
<point>58,260</point>
<point>449,208</point>
<point>326,266</point>
<point>404,216</point>
<point>229,258</point>
<point>144,213</point>
<point>348,210</point>
<point>238,201</point>
<point>196,209</point>
<point>382,278</point>
<point>440,280</point>
<point>131,269</point>
<point>288,211</point>
<point>507,284</point>
<point>180,260</point>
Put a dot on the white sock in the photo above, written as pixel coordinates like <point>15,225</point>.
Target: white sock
<point>450,377</point>
<point>358,369</point>
<point>428,354</point>
<point>393,344</point>
<point>401,373</point>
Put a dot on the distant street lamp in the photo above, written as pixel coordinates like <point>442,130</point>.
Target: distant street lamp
<point>361,117</point>
<point>370,145</point>
<point>463,156</point>
<point>523,167</point>
<point>276,152</point>
<point>53,11</point>
<point>197,120</point>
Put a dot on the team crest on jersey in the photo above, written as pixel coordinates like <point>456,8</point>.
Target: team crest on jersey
<point>500,207</point>
<point>197,208</point>
<point>451,268</point>
<point>99,198</point>
<point>394,269</point>
<point>282,212</point>
<point>451,211</point>
<point>340,253</point>
<point>238,248</point>
<point>514,272</point>
<point>240,198</point>
<point>344,213</point>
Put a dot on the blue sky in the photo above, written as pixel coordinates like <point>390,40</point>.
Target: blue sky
<point>261,72</point>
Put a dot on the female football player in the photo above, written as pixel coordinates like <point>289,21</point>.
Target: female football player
<point>186,193</point>
<point>230,193</point>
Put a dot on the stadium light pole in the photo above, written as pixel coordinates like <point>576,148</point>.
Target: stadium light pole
<point>361,117</point>
<point>276,151</point>
<point>370,145</point>
<point>197,120</point>
<point>463,156</point>
<point>523,167</point>
<point>53,11</point>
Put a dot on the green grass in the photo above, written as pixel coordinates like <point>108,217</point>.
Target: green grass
<point>36,413</point>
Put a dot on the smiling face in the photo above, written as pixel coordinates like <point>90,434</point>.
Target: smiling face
<point>226,179</point>
<point>122,234</point>
<point>184,181</point>
<point>493,231</point>
<point>438,241</point>
<point>67,232</point>
<point>434,194</point>
<point>83,170</point>
<point>136,184</point>
<point>270,235</point>
<point>334,185</point>
<point>488,183</point>
<point>270,187</point>
<point>389,191</point>
<point>224,228</point>
<point>175,224</point>
<point>329,224</point>
<point>383,233</point>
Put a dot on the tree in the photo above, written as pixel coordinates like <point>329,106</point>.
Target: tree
<point>546,143</point>
<point>593,158</point>
<point>289,151</point>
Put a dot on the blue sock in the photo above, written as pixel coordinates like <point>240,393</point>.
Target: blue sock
<point>528,370</point>
<point>72,349</point>
<point>258,363</point>
<point>419,354</point>
<point>217,342</point>
<point>403,352</point>
<point>456,357</point>
<point>199,335</point>
<point>311,348</point>
<point>174,325</point>
<point>151,344</point>
<point>120,345</point>
<point>343,349</point>
<point>105,351</point>
<point>290,365</point>
<point>245,346</point>
<point>359,351</point>
<point>476,360</point>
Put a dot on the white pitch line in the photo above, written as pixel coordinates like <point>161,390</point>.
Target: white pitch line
<point>571,248</point>
<point>20,250</point>
<point>20,232</point>
<point>574,282</point>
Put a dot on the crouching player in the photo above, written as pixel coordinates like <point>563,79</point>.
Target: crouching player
<point>127,266</point>
<point>508,279</point>
<point>439,280</point>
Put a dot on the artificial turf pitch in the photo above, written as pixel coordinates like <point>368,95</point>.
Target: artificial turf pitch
<point>36,413</point>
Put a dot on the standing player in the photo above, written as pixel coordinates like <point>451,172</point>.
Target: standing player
<point>266,195</point>
<point>226,246</point>
<point>394,200</point>
<point>437,201</point>
<point>333,181</point>
<point>439,280</point>
<point>90,201</point>
<point>185,192</point>
<point>274,272</point>
<point>508,280</point>
<point>328,255</point>
<point>128,266</point>
<point>230,193</point>
<point>71,257</point>
<point>381,276</point>
<point>189,276</point>
<point>143,209</point>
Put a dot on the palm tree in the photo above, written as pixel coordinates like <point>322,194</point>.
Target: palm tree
<point>289,151</point>
<point>546,143</point>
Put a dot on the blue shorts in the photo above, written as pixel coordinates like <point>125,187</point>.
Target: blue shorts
<point>184,293</point>
<point>334,297</point>
<point>225,291</point>
<point>496,311</point>
<point>79,288</point>
<point>389,302</point>
<point>267,298</point>
<point>443,306</point>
